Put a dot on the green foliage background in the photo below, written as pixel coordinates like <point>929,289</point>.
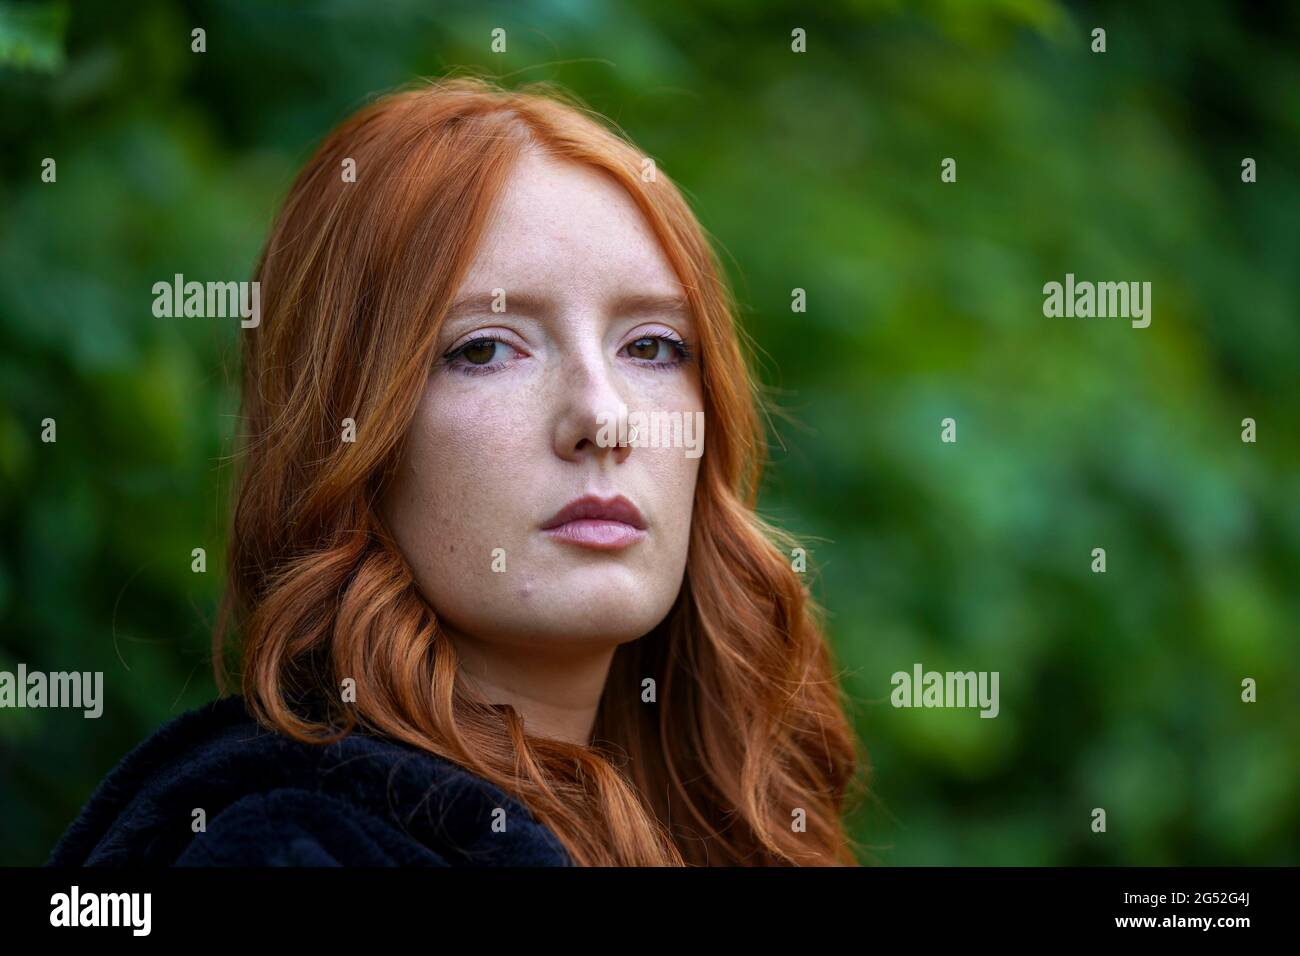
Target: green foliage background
<point>818,171</point>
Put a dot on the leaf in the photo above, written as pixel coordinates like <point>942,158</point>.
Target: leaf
<point>31,35</point>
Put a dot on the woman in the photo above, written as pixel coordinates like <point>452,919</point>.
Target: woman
<point>458,561</point>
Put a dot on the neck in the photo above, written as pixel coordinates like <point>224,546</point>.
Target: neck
<point>556,689</point>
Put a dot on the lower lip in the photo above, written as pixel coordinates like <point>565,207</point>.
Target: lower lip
<point>596,533</point>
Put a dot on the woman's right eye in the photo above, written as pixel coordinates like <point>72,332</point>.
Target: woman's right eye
<point>477,356</point>
<point>480,351</point>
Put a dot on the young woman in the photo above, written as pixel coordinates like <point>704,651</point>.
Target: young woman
<point>483,616</point>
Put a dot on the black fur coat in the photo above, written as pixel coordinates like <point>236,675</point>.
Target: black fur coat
<point>268,800</point>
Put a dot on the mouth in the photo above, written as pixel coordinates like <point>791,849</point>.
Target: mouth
<point>605,524</point>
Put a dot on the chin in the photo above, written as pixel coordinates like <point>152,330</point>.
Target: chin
<point>616,616</point>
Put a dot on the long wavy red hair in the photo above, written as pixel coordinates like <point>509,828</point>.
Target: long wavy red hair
<point>748,757</point>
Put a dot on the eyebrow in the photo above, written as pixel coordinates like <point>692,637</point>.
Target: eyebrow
<point>639,303</point>
<point>524,303</point>
<point>516,302</point>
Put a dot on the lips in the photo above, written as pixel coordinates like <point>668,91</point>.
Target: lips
<point>605,524</point>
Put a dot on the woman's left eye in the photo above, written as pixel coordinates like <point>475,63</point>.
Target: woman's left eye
<point>658,351</point>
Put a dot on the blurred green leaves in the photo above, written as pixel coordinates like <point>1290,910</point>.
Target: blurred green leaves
<point>31,35</point>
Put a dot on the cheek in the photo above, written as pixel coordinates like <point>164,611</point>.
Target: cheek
<point>456,497</point>
<point>675,476</point>
<point>683,476</point>
<point>673,472</point>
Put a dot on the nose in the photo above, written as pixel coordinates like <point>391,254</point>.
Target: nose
<point>591,409</point>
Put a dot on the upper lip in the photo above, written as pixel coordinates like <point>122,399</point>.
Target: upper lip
<point>592,507</point>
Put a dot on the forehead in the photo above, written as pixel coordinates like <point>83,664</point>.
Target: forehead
<point>560,223</point>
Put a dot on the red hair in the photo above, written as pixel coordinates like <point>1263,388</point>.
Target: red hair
<point>749,738</point>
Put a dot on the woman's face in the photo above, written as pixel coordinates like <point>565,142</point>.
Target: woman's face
<point>519,419</point>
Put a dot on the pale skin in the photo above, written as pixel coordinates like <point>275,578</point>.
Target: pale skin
<point>508,433</point>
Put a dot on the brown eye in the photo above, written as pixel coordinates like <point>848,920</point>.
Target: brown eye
<point>646,348</point>
<point>480,352</point>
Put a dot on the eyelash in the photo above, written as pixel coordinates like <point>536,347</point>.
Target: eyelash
<point>684,354</point>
